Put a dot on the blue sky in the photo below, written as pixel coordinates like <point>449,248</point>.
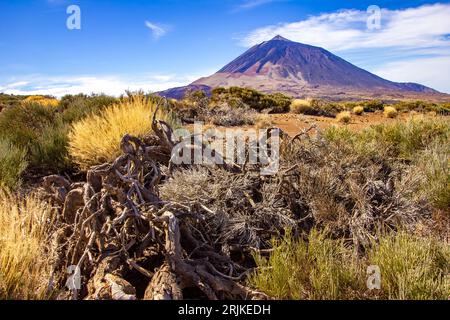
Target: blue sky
<point>157,44</point>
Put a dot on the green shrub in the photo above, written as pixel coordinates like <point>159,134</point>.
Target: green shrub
<point>76,107</point>
<point>12,164</point>
<point>373,105</point>
<point>22,124</point>
<point>422,106</point>
<point>38,130</point>
<point>275,103</point>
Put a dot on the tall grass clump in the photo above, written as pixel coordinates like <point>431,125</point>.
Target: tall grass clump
<point>301,106</point>
<point>412,267</point>
<point>96,139</point>
<point>24,260</point>
<point>358,110</point>
<point>318,268</point>
<point>344,117</point>
<point>390,112</point>
<point>432,165</point>
<point>12,164</point>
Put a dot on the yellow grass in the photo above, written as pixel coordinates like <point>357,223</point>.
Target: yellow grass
<point>24,263</point>
<point>96,139</point>
<point>43,101</point>
<point>344,117</point>
<point>300,106</point>
<point>263,122</point>
<point>358,110</point>
<point>390,112</point>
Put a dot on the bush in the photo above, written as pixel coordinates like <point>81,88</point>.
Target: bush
<point>24,259</point>
<point>38,130</point>
<point>373,105</point>
<point>358,110</point>
<point>43,101</point>
<point>96,139</point>
<point>76,107</point>
<point>344,117</point>
<point>23,124</point>
<point>274,103</point>
<point>301,106</point>
<point>12,164</point>
<point>412,267</point>
<point>390,112</point>
<point>422,106</point>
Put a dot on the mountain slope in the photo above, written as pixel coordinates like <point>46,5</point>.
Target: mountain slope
<point>281,65</point>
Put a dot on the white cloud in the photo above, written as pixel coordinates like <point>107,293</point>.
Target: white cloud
<point>250,4</point>
<point>421,27</point>
<point>111,85</point>
<point>431,72</point>
<point>157,30</point>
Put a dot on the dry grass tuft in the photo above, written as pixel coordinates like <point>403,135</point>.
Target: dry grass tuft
<point>301,106</point>
<point>344,117</point>
<point>96,139</point>
<point>390,112</point>
<point>263,122</point>
<point>358,110</point>
<point>24,262</point>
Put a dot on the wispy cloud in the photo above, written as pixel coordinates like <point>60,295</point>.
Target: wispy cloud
<point>157,30</point>
<point>249,4</point>
<point>421,27</point>
<point>113,85</point>
<point>429,71</point>
<point>408,40</point>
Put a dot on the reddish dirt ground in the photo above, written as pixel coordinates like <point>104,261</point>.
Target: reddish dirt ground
<point>292,124</point>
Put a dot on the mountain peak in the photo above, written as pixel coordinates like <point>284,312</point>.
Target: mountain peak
<point>282,65</point>
<point>280,38</point>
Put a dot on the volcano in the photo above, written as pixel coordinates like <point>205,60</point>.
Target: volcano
<point>301,70</point>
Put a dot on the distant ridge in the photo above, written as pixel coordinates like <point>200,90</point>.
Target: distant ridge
<point>301,70</point>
